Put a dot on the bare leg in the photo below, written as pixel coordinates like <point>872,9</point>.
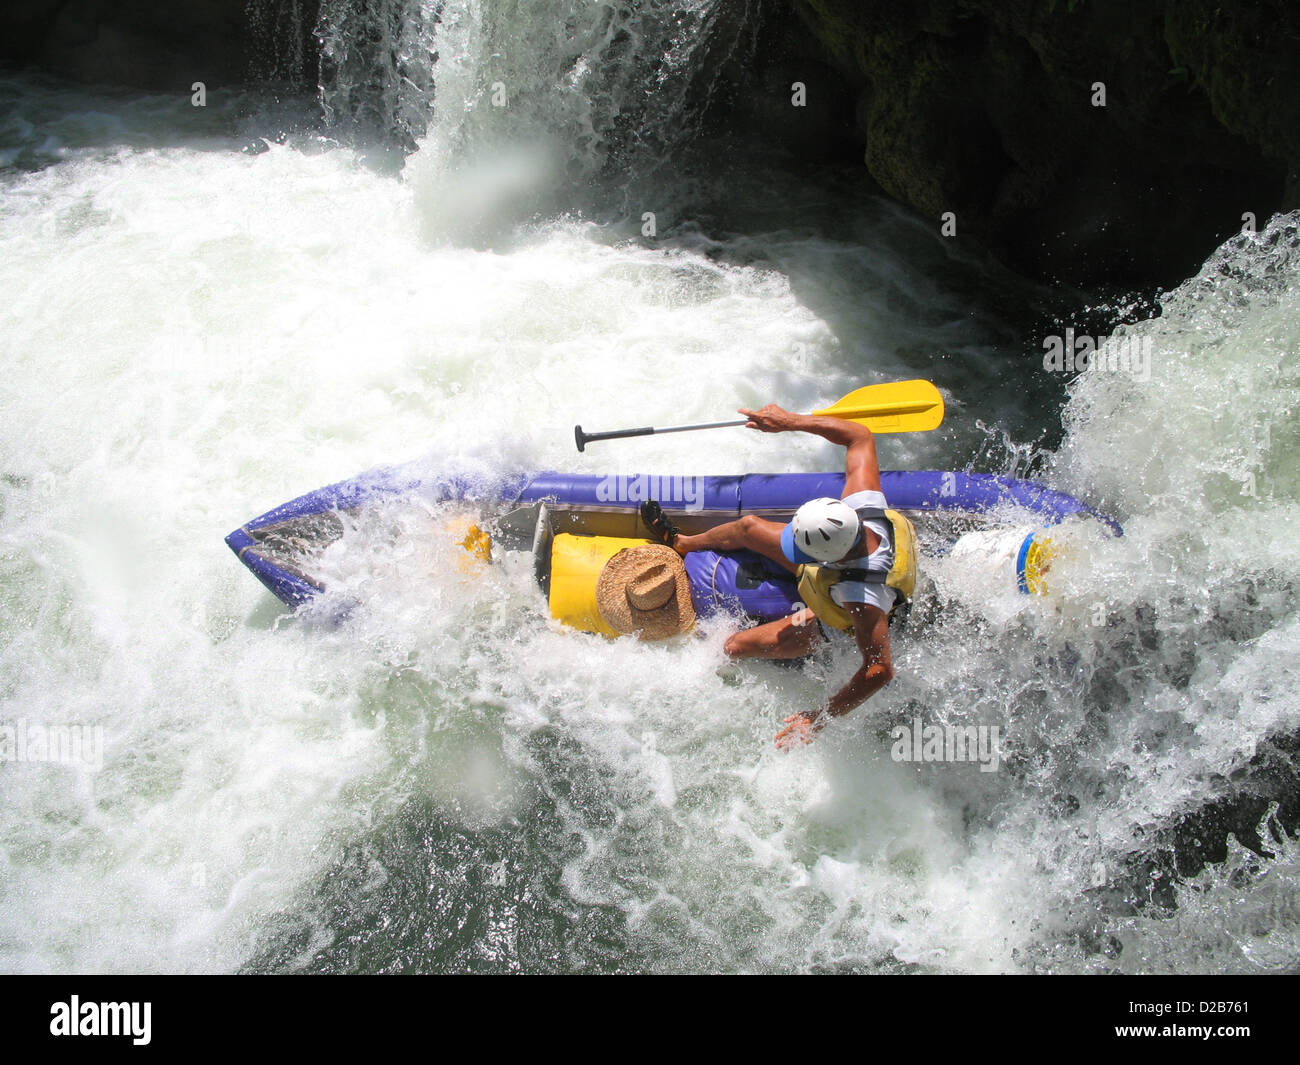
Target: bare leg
<point>754,534</point>
<point>791,637</point>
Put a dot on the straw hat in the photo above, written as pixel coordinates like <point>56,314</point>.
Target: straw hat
<point>645,590</point>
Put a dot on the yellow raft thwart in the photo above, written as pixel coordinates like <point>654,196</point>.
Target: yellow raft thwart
<point>576,563</point>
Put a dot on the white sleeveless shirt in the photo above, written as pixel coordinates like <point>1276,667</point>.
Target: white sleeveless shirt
<point>881,560</point>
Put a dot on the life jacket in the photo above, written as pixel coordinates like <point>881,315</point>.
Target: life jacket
<point>815,582</point>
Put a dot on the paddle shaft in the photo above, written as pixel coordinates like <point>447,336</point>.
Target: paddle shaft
<point>896,407</point>
<point>583,439</point>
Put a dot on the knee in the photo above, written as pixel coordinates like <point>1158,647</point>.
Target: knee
<point>797,637</point>
<point>748,525</point>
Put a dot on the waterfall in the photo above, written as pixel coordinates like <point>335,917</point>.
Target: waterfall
<point>614,83</point>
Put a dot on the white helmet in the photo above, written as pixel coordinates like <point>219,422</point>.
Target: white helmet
<point>823,530</point>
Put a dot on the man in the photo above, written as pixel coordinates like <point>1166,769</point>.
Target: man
<point>824,531</point>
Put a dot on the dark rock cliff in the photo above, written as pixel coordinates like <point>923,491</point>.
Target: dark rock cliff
<point>985,108</point>
<point>162,44</point>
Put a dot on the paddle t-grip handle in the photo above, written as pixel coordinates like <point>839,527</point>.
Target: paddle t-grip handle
<point>583,439</point>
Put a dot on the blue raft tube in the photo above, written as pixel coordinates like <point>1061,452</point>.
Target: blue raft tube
<point>523,513</point>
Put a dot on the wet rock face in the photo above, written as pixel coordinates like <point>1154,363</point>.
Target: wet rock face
<point>160,44</point>
<point>990,109</point>
<point>987,109</point>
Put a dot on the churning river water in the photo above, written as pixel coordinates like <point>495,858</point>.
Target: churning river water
<point>208,311</point>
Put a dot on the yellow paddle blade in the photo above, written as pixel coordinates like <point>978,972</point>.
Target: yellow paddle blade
<point>898,407</point>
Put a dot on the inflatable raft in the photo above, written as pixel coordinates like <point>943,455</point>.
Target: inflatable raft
<point>573,523</point>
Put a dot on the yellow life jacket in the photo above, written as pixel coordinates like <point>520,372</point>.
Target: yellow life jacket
<point>815,582</point>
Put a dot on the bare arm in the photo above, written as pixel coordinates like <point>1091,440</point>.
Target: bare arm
<point>861,467</point>
<point>871,629</point>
